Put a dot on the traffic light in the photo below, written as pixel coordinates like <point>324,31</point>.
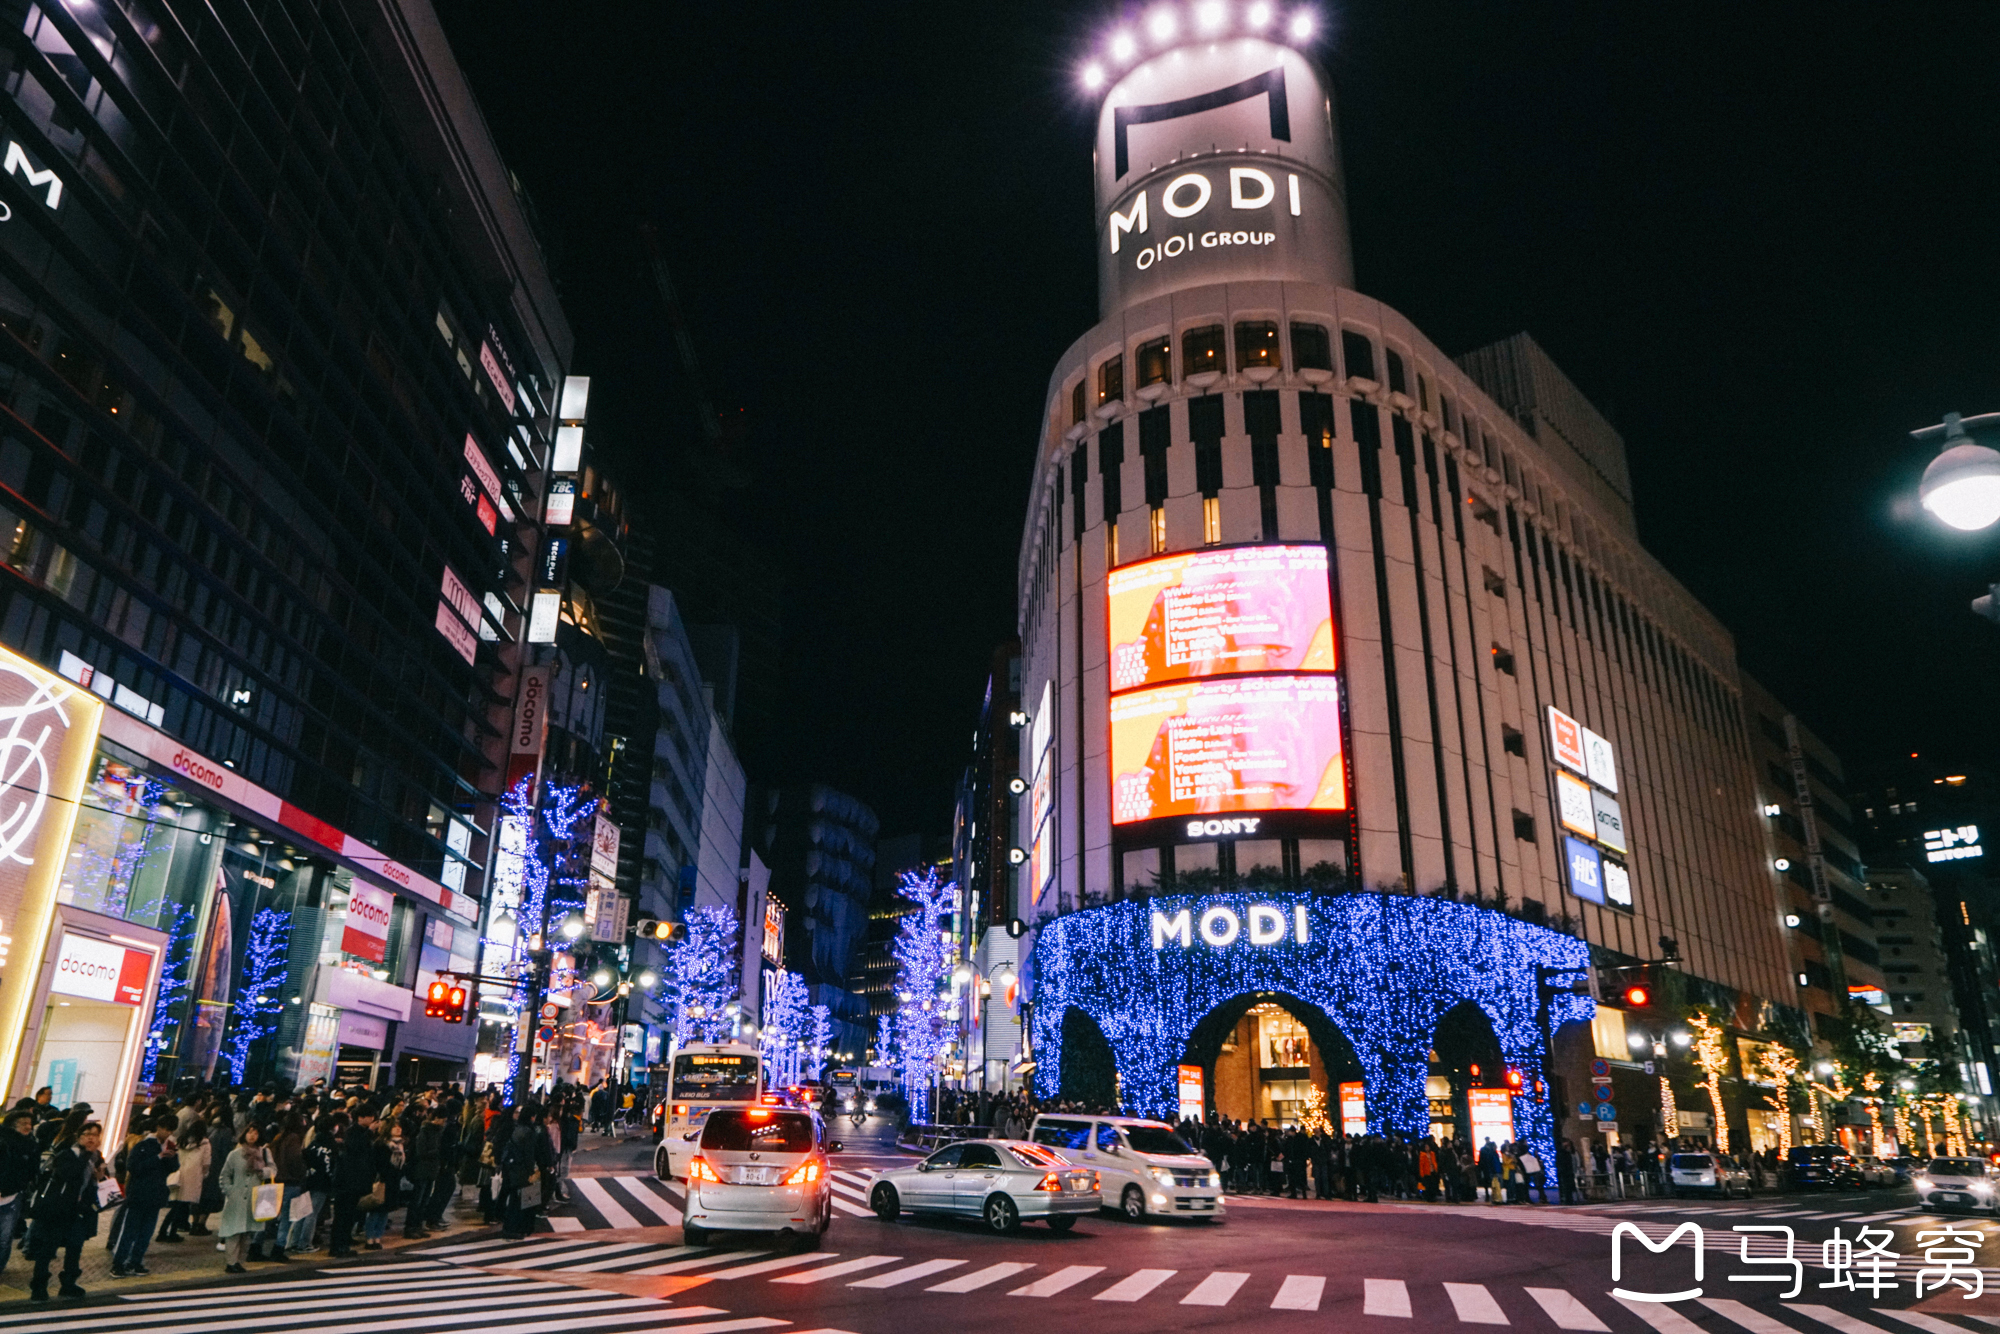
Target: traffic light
<point>446,1001</point>
<point>1638,996</point>
<point>1513,1079</point>
<point>646,928</point>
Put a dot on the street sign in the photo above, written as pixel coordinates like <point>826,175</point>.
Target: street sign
<point>1586,1111</point>
<point>1600,1069</point>
<point>1606,1112</point>
<point>545,1035</point>
<point>549,1012</point>
<point>1602,1093</point>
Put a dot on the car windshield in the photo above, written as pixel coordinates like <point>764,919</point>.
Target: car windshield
<point>1064,1134</point>
<point>1958,1167</point>
<point>1699,1161</point>
<point>1156,1139</point>
<point>715,1077</point>
<point>737,1131</point>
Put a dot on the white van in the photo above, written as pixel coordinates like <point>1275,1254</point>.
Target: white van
<point>1143,1167</point>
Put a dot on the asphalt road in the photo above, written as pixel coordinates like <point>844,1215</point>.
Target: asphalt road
<point>1384,1269</point>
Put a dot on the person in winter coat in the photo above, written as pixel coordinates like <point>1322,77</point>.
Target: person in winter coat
<point>221,1141</point>
<point>246,1168</point>
<point>185,1195</point>
<point>147,1166</point>
<point>288,1162</point>
<point>20,1163</point>
<point>66,1211</point>
<point>424,1167</point>
<point>353,1177</point>
<point>391,1157</point>
<point>318,1185</point>
<point>499,1134</point>
<point>527,1157</point>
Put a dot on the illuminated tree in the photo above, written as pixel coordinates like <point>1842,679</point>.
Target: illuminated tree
<point>701,978</point>
<point>264,970</point>
<point>1711,1056</point>
<point>179,921</point>
<point>1780,1065</point>
<point>921,962</point>
<point>785,1025</point>
<point>1312,1118</point>
<point>822,1035</point>
<point>1670,1115</point>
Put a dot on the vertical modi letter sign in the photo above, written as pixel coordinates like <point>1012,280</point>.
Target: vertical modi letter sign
<point>48,732</point>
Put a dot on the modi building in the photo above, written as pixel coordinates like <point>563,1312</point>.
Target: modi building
<point>1364,745</point>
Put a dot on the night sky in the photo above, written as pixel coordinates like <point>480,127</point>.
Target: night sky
<point>1760,238</point>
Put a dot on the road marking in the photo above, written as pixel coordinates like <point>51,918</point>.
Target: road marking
<point>610,1210</point>
<point>1928,1323</point>
<point>725,1326</point>
<point>562,1259</point>
<point>1299,1292</point>
<point>1216,1289</point>
<point>1750,1318</point>
<point>700,1262</point>
<point>852,1210</point>
<point>1135,1285</point>
<point>563,1223</point>
<point>1385,1296</point>
<point>769,1266</point>
<point>980,1278</point>
<point>835,1271</point>
<point>581,1310</point>
<point>651,1194</point>
<point>508,1252</point>
<point>1063,1278</point>
<point>1562,1307</point>
<point>1662,1318</point>
<point>1474,1304</point>
<point>1840,1320</point>
<point>908,1273</point>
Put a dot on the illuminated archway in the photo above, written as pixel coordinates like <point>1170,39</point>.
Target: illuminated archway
<point>1384,969</point>
<point>1089,1070</point>
<point>1230,1048</point>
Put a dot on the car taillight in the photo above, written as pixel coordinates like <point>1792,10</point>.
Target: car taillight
<point>1094,1182</point>
<point>807,1173</point>
<point>700,1170</point>
<point>1050,1181</point>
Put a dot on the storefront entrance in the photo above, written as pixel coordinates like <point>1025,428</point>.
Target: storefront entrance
<point>1262,1052</point>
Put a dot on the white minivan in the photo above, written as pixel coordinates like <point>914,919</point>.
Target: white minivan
<point>1143,1167</point>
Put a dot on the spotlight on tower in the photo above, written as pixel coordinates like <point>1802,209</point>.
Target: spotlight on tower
<point>1258,16</point>
<point>1123,47</point>
<point>1302,26</point>
<point>1162,26</point>
<point>1210,15</point>
<point>1093,77</point>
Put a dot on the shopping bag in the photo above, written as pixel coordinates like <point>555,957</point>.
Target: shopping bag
<point>531,1195</point>
<point>265,1201</point>
<point>108,1194</point>
<point>302,1207</point>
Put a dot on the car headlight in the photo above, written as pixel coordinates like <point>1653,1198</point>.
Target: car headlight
<point>1161,1175</point>
<point>1921,1183</point>
<point>1982,1188</point>
<point>1215,1181</point>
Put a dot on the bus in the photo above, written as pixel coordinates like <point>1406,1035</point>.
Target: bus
<point>705,1076</point>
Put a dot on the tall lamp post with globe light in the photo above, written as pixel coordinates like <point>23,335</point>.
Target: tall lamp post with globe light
<point>1961,487</point>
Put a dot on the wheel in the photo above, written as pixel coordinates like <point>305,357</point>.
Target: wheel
<point>886,1203</point>
<point>1001,1215</point>
<point>694,1236</point>
<point>1062,1222</point>
<point>1133,1203</point>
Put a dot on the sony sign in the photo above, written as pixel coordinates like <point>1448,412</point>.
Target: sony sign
<point>1215,164</point>
<point>1222,926</point>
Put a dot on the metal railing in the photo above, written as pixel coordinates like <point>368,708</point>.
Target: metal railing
<point>925,1138</point>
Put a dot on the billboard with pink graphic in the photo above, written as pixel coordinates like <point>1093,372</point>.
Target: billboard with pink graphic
<point>1268,743</point>
<point>1219,613</point>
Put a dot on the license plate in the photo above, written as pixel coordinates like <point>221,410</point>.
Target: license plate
<point>1952,1195</point>
<point>758,1176</point>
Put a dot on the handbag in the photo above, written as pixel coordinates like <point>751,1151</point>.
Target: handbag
<point>302,1207</point>
<point>531,1195</point>
<point>109,1196</point>
<point>375,1198</point>
<point>265,1201</point>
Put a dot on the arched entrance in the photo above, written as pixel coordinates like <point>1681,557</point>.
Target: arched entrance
<point>1089,1071</point>
<point>1260,1052</point>
<point>1465,1055</point>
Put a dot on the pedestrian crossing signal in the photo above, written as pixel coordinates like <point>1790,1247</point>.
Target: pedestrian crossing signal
<point>446,1001</point>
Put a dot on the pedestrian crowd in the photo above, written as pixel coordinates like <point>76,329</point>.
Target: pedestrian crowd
<point>274,1173</point>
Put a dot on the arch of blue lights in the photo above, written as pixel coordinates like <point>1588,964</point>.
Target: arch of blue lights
<point>1385,969</point>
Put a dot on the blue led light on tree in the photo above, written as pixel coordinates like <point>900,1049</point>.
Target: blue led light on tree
<point>1383,968</point>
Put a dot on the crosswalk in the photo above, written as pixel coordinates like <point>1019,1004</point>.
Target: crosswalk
<point>601,1203</point>
<point>405,1296</point>
<point>1424,1304</point>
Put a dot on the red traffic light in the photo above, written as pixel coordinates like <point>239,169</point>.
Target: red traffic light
<point>446,1001</point>
<point>1513,1079</point>
<point>1638,998</point>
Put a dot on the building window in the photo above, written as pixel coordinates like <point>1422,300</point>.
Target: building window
<point>1503,659</point>
<point>1077,410</point>
<point>1211,520</point>
<point>1513,742</point>
<point>1257,345</point>
<point>1358,353</point>
<point>1524,826</point>
<point>1312,349</point>
<point>1494,583</point>
<point>1155,363</point>
<point>1111,380</point>
<point>1159,526</point>
<point>1201,351</point>
<point>1110,544</point>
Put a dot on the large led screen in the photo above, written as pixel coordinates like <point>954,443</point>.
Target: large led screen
<point>1269,743</point>
<point>1217,613</point>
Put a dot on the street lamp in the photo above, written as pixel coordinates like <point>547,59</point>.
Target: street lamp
<point>572,927</point>
<point>1962,484</point>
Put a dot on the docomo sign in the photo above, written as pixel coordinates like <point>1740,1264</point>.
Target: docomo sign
<point>1221,926</point>
<point>98,970</point>
<point>367,932</point>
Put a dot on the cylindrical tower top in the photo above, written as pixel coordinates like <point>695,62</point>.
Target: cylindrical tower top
<point>1217,160</point>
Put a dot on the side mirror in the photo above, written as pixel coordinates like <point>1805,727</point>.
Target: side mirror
<point>834,1146</point>
<point>923,1167</point>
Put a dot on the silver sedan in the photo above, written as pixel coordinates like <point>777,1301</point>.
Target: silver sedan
<point>999,1181</point>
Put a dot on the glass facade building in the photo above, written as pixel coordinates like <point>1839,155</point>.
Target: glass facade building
<point>279,355</point>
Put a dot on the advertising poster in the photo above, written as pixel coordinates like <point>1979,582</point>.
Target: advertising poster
<point>1193,1102</point>
<point>1491,1112</point>
<point>1259,744</point>
<point>1573,806</point>
<point>1354,1108</point>
<point>367,932</point>
<point>1566,740</point>
<point>1586,870</point>
<point>1218,613</point>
